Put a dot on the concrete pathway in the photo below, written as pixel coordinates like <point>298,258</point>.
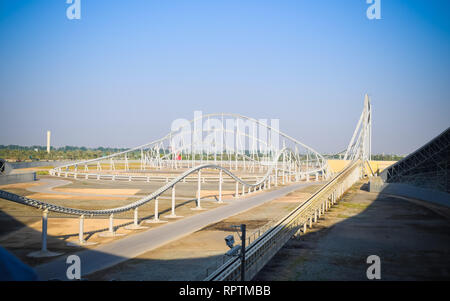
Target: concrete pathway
<point>107,255</point>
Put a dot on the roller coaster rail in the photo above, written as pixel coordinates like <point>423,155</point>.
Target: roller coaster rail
<point>261,184</point>
<point>181,149</point>
<point>73,211</point>
<point>294,161</point>
<point>261,250</point>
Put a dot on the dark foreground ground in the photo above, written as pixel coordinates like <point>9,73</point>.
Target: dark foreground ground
<point>411,238</point>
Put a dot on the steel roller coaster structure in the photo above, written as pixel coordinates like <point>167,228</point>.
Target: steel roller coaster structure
<point>250,152</point>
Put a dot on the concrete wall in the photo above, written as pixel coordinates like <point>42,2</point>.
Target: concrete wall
<point>429,195</point>
<point>17,178</point>
<point>18,165</point>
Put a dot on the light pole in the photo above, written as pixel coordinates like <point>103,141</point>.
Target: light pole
<point>234,250</point>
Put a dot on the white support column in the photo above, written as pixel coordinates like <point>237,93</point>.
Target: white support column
<point>220,186</point>
<point>199,190</point>
<point>236,195</point>
<point>110,232</point>
<point>44,230</point>
<point>173,201</point>
<point>172,214</point>
<point>155,218</point>
<point>156,213</point>
<point>111,223</point>
<point>135,225</point>
<point>81,232</point>
<point>81,241</point>
<point>43,252</point>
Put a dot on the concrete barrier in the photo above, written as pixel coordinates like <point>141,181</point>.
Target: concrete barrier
<point>19,165</point>
<point>5,167</point>
<point>17,178</point>
<point>429,195</point>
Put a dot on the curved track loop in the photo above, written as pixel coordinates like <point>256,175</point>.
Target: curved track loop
<point>74,211</point>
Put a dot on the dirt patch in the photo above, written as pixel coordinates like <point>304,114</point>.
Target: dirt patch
<point>99,191</point>
<point>64,228</point>
<point>227,225</point>
<point>21,185</point>
<point>49,196</point>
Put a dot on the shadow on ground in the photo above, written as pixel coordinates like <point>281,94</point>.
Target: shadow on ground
<point>412,241</point>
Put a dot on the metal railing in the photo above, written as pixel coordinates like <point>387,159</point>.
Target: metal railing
<point>261,250</point>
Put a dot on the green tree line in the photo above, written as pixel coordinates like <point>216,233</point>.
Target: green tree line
<point>39,153</point>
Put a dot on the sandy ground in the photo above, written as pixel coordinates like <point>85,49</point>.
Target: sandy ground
<point>20,185</point>
<point>98,190</point>
<point>31,169</point>
<point>49,197</point>
<point>63,228</point>
<point>20,226</point>
<point>193,256</point>
<point>412,241</point>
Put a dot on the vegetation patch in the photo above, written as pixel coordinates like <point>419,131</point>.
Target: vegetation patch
<point>355,205</point>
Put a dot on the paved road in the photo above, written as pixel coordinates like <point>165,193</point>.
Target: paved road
<point>121,250</point>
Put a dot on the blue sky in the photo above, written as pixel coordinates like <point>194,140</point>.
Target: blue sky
<point>126,69</point>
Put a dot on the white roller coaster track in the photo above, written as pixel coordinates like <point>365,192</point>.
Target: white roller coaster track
<point>74,211</point>
<point>299,164</point>
<point>151,157</point>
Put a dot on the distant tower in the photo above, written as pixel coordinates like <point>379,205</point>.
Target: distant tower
<point>48,141</point>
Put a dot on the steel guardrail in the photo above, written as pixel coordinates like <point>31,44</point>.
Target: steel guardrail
<point>263,248</point>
